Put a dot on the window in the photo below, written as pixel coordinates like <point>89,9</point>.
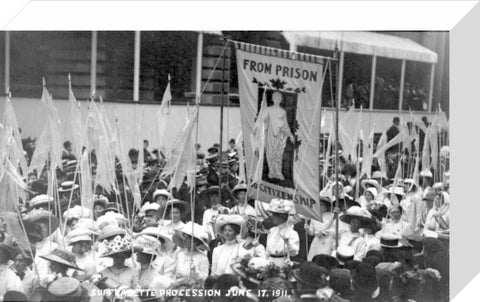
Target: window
<point>357,72</point>
<point>164,53</point>
<point>52,55</point>
<point>417,86</point>
<point>387,83</point>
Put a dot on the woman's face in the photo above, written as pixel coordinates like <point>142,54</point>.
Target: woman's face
<point>229,232</point>
<point>150,217</point>
<point>241,196</point>
<point>161,200</point>
<point>175,215</point>
<point>43,229</point>
<point>396,214</point>
<point>354,225</point>
<point>143,258</point>
<point>98,211</point>
<point>368,195</point>
<point>78,248</point>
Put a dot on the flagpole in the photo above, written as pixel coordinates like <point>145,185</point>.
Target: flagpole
<point>221,130</point>
<point>339,98</point>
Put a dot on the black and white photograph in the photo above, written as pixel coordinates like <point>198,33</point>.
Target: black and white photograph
<point>224,165</point>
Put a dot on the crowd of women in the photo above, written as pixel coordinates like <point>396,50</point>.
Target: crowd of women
<point>391,244</point>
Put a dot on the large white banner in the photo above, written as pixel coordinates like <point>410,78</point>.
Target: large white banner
<point>292,85</point>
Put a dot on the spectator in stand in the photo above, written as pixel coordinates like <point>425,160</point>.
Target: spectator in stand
<point>67,153</point>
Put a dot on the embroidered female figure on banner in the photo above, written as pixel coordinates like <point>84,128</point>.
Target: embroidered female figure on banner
<point>277,133</point>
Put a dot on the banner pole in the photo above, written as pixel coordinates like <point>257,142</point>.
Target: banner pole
<point>339,98</point>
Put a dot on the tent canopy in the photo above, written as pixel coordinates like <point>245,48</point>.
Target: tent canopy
<point>365,43</point>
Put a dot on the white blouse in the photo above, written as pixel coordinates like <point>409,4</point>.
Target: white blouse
<point>225,255</point>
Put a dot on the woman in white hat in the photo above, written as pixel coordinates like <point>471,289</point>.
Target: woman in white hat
<point>324,232</point>
<point>80,241</point>
<point>282,240</point>
<point>175,210</point>
<point>369,196</point>
<point>396,226</point>
<point>438,217</point>
<point>148,251</point>
<point>191,262</point>
<point>357,218</point>
<point>164,262</point>
<point>231,250</point>
<point>242,208</point>
<point>8,279</point>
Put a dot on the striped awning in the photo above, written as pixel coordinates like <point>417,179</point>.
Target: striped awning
<point>365,43</point>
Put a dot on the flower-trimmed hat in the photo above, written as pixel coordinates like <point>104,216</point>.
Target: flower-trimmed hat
<point>41,201</point>
<point>78,235</point>
<point>281,206</point>
<point>234,219</point>
<point>119,245</point>
<point>357,212</point>
<point>62,257</point>
<point>68,186</point>
<point>42,216</point>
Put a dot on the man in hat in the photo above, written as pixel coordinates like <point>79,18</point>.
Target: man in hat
<point>282,240</point>
<point>365,283</point>
<point>8,279</point>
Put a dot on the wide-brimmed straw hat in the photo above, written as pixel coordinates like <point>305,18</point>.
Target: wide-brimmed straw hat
<point>371,182</point>
<point>178,203</point>
<point>68,186</point>
<point>161,192</point>
<point>149,206</point>
<point>147,244</point>
<point>111,230</point>
<point>65,287</point>
<point>390,241</point>
<point>78,235</point>
<point>281,206</point>
<point>196,231</point>
<point>237,220</point>
<point>41,201</point>
<point>239,187</point>
<point>42,216</point>
<point>160,234</point>
<point>62,257</point>
<point>397,191</point>
<point>357,212</point>
<point>77,212</point>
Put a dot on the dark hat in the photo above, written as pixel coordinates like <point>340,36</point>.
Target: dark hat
<point>325,261</point>
<point>39,187</point>
<point>364,277</point>
<point>212,190</point>
<point>415,241</point>
<point>357,212</point>
<point>62,257</point>
<point>374,253</point>
<point>212,150</point>
<point>311,274</point>
<point>373,260</point>
<point>340,281</point>
<point>13,295</point>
